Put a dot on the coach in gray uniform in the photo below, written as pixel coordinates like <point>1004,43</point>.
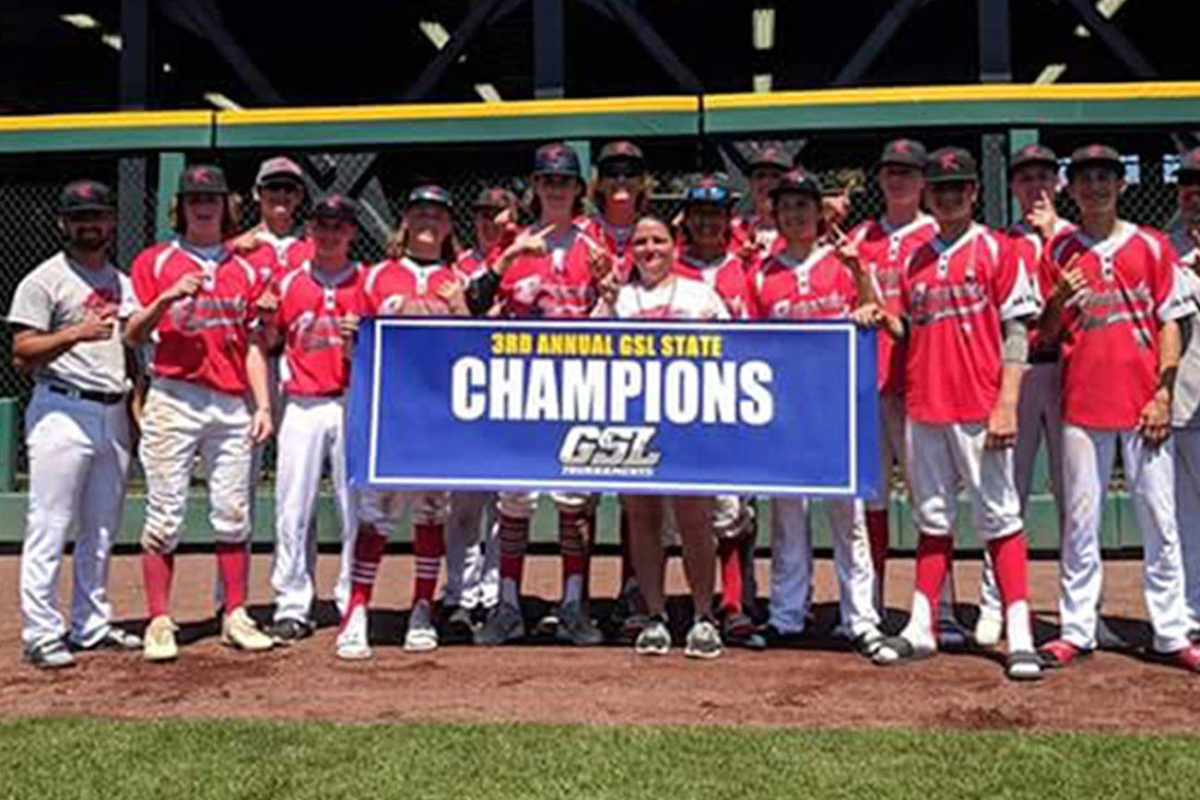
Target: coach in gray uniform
<point>66,316</point>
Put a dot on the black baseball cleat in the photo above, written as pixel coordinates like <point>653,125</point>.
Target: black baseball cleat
<point>459,627</point>
<point>287,631</point>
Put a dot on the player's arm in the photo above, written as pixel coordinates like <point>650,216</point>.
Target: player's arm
<point>1002,421</point>
<point>256,376</point>
<point>143,321</point>
<point>1154,422</point>
<point>34,345</point>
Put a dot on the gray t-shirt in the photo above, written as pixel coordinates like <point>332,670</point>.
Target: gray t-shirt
<point>56,295</point>
<point>1185,405</point>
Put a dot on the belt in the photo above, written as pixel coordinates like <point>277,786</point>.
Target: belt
<point>107,398</point>
<point>1044,357</point>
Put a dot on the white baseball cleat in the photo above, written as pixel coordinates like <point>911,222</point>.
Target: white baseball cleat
<point>352,644</point>
<point>988,630</point>
<point>421,636</point>
<point>239,632</point>
<point>159,642</point>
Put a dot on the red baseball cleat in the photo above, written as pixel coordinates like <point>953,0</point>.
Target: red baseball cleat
<point>1060,653</point>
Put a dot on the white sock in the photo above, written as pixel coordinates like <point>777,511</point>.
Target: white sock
<point>510,592</point>
<point>1020,634</point>
<point>573,590</point>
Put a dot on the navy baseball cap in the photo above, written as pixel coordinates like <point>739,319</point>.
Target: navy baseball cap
<point>949,165</point>
<point>557,158</point>
<point>620,150</point>
<point>1096,155</point>
<point>336,206</point>
<point>797,181</point>
<point>902,153</point>
<point>430,193</point>
<point>85,195</point>
<point>203,179</point>
<point>708,190</point>
<point>1033,154</point>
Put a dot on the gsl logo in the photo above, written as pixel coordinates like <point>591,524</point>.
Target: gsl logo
<point>612,450</point>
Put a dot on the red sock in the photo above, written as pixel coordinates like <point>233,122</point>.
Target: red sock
<point>157,569</point>
<point>233,562</point>
<point>730,553</point>
<point>513,534</point>
<point>933,561</point>
<point>429,545</point>
<point>1010,561</point>
<point>369,545</point>
<point>877,533</point>
<point>572,542</point>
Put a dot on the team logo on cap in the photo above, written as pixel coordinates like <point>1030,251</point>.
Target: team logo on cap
<point>84,192</point>
<point>1096,151</point>
<point>902,147</point>
<point>948,160</point>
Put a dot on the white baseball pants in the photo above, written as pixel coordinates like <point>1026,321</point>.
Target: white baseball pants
<point>1150,480</point>
<point>472,552</point>
<point>78,458</point>
<point>792,564</point>
<point>312,430</point>
<point>1187,514</point>
<point>179,420</point>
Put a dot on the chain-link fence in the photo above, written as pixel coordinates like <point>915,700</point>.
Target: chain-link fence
<point>380,180</point>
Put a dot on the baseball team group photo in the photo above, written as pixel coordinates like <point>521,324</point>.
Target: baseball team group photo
<point>838,437</point>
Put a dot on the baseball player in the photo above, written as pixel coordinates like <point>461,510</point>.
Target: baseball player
<point>1033,179</point>
<point>551,270</point>
<point>808,280</point>
<point>418,279</point>
<point>200,310</point>
<point>755,235</point>
<point>884,246</point>
<point>320,305</point>
<point>963,302</point>
<point>65,317</point>
<point>276,245</point>
<point>656,292</point>
<point>1185,410</point>
<point>621,193</point>
<point>1116,305</point>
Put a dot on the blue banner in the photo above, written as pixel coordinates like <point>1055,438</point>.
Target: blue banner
<point>635,407</point>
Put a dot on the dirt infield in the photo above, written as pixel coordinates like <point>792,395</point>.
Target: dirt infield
<point>821,685</point>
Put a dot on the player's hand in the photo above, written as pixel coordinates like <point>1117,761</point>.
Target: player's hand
<point>454,295</point>
<point>1071,281</point>
<point>600,262</point>
<point>348,326</point>
<point>1043,217</point>
<point>186,286</point>
<point>260,425</point>
<point>532,242</point>
<point>868,315</point>
<point>835,208</point>
<point>246,242</point>
<point>1001,427</point>
<point>1154,422</point>
<point>847,248</point>
<point>266,304</point>
<point>95,327</point>
<point>606,290</point>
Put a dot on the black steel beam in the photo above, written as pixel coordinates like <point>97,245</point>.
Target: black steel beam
<point>477,16</point>
<point>135,53</point>
<point>995,42</point>
<point>1113,39</point>
<point>549,50</point>
<point>871,47</point>
<point>654,44</point>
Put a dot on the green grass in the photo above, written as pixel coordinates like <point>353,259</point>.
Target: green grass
<point>68,758</point>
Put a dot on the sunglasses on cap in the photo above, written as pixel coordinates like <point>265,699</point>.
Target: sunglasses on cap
<point>619,169</point>
<point>707,194</point>
<point>290,187</point>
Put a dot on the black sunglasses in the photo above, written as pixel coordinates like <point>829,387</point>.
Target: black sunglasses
<point>619,170</point>
<point>282,186</point>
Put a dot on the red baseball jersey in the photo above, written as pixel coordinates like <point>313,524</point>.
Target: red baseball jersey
<point>312,304</point>
<point>956,296</point>
<point>727,275</point>
<point>398,282</point>
<point>749,229</point>
<point>276,256</point>
<point>555,285</point>
<point>819,287</point>
<point>883,250</point>
<point>1110,346</point>
<point>202,338</point>
<point>1029,249</point>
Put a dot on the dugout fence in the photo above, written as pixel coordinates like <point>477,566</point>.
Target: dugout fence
<point>377,153</point>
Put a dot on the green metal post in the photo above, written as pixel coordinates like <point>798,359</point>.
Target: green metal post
<point>169,167</point>
<point>8,444</point>
<point>1018,138</point>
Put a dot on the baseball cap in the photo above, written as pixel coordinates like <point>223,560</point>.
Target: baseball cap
<point>495,197</point>
<point>903,153</point>
<point>279,167</point>
<point>708,190</point>
<point>1189,162</point>
<point>85,195</point>
<point>1033,153</point>
<point>769,156</point>
<point>429,193</point>
<point>557,158</point>
<point>797,181</point>
<point>336,206</point>
<point>623,149</point>
<point>1099,155</point>
<point>950,164</point>
<point>203,179</point>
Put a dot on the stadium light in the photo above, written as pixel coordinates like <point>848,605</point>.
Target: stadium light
<point>113,40</point>
<point>435,32</point>
<point>487,92</point>
<point>221,101</point>
<point>763,27</point>
<point>1106,9</point>
<point>85,22</point>
<point>1051,73</point>
<point>762,83</point>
